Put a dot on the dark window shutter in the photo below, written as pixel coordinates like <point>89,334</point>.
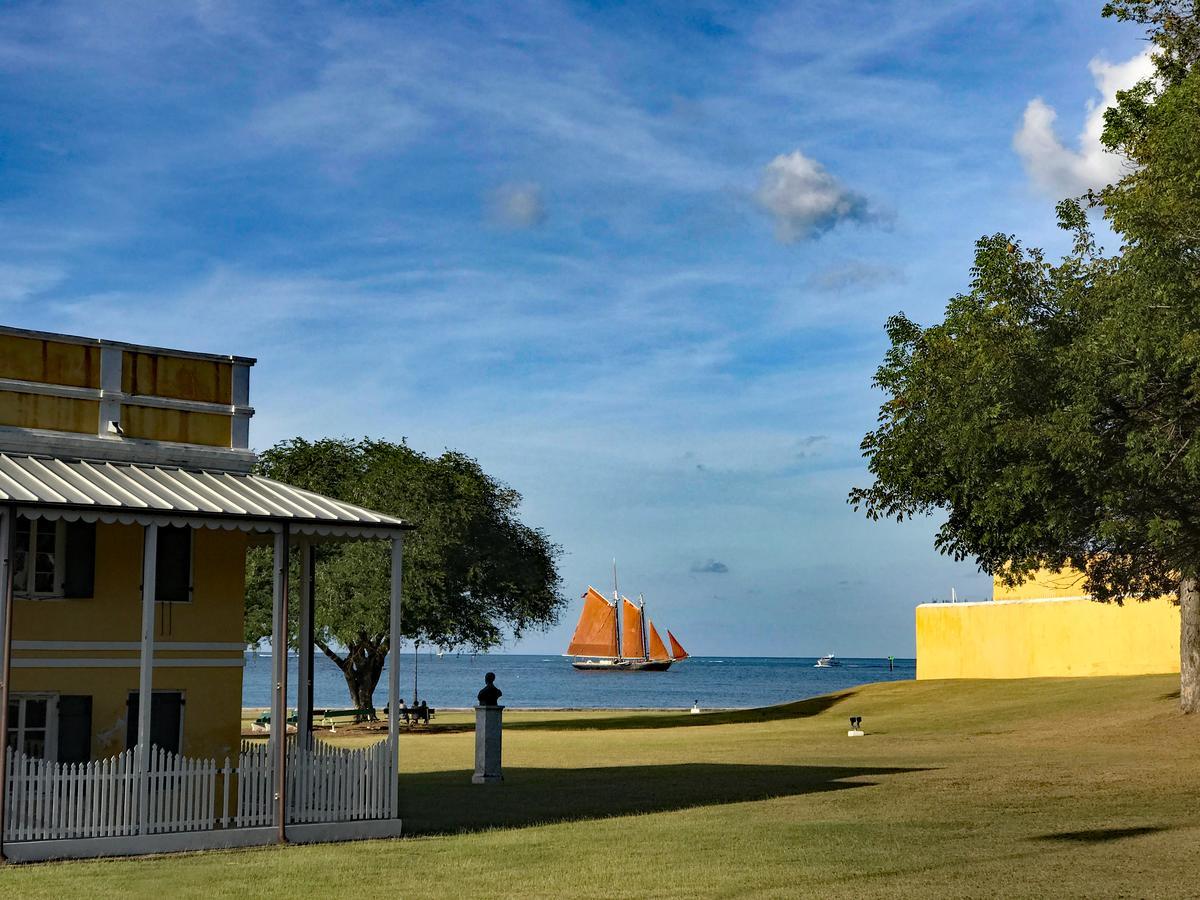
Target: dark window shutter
<point>173,573</point>
<point>166,713</point>
<point>80,575</point>
<point>74,729</point>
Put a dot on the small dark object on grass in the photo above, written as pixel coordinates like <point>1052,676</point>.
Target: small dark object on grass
<point>856,723</point>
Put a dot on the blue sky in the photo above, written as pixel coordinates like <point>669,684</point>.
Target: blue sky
<point>636,259</point>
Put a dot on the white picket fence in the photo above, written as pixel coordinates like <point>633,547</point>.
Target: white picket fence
<point>49,801</point>
<point>324,783</point>
<point>52,801</point>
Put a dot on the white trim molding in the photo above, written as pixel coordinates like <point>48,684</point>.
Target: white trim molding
<point>96,646</point>
<point>123,662</point>
<point>122,345</point>
<point>37,441</point>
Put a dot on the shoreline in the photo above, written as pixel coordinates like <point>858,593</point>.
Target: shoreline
<point>256,710</point>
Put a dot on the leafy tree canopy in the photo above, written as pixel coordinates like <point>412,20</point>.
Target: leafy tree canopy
<point>1052,416</point>
<point>472,570</point>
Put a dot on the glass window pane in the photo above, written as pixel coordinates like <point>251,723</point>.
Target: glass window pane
<point>21,572</point>
<point>35,713</point>
<point>35,744</point>
<point>21,559</point>
<point>46,538</point>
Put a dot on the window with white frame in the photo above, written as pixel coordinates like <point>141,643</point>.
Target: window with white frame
<point>40,558</point>
<point>54,558</point>
<point>32,725</point>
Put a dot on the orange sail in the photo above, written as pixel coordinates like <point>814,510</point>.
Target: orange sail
<point>677,651</point>
<point>596,633</point>
<point>631,631</point>
<point>658,650</point>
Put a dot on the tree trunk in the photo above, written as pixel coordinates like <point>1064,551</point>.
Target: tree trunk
<point>1189,645</point>
<point>361,668</point>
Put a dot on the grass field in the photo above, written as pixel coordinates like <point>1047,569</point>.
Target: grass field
<point>1049,788</point>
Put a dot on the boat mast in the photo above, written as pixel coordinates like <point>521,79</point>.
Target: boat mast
<point>645,646</point>
<point>617,606</point>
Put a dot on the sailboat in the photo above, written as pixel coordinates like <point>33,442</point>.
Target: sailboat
<point>617,636</point>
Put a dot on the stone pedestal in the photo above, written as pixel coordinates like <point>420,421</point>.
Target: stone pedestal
<point>488,724</point>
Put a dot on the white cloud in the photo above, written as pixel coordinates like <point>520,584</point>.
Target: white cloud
<point>517,205</point>
<point>1060,170</point>
<point>19,283</point>
<point>359,109</point>
<point>805,199</point>
<point>853,275</point>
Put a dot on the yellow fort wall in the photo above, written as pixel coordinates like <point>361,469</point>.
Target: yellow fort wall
<point>1046,627</point>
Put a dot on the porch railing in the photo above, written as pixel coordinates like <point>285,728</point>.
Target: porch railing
<point>53,801</point>
<point>324,783</point>
<point>49,801</point>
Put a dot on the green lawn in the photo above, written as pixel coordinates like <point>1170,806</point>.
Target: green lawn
<point>1071,787</point>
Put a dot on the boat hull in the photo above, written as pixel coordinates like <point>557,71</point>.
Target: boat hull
<point>623,665</point>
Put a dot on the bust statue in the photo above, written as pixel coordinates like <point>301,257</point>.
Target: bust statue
<point>490,693</point>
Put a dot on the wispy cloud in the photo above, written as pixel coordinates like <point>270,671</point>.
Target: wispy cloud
<point>854,275</point>
<point>805,200</point>
<point>21,282</point>
<point>313,185</point>
<point>517,205</point>
<point>1059,170</point>
<point>710,567</point>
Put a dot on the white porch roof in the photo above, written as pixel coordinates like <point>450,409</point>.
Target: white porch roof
<point>52,487</point>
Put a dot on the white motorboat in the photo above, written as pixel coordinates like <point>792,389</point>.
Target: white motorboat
<point>826,662</point>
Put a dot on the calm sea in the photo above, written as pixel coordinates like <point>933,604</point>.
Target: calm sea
<point>536,681</point>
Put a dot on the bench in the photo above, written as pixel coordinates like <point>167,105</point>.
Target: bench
<point>328,716</point>
<point>414,716</point>
<point>263,722</point>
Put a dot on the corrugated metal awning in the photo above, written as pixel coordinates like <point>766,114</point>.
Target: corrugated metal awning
<point>49,487</point>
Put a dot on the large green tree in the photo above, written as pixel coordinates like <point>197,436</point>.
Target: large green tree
<point>472,570</point>
<point>1053,416</point>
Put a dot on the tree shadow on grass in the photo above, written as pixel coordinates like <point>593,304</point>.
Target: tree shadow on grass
<point>447,802</point>
<point>800,709</point>
<point>1102,835</point>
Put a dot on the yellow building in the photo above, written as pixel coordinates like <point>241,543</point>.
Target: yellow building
<point>1048,626</point>
<point>126,508</point>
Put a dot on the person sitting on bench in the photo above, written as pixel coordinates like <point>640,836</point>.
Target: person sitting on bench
<point>422,712</point>
<point>402,712</point>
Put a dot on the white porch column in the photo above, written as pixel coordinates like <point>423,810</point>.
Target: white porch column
<point>304,686</point>
<point>146,674</point>
<point>8,514</point>
<point>279,648</point>
<point>393,664</point>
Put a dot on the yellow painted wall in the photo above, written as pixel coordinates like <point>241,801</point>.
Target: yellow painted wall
<point>173,425</point>
<point>143,373</point>
<point>211,711</point>
<point>183,378</point>
<point>54,413</point>
<point>53,362</point>
<point>1044,583</point>
<point>1041,638</point>
<point>212,694</point>
<point>215,613</point>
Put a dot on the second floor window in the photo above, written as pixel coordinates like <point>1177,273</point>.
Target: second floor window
<point>54,558</point>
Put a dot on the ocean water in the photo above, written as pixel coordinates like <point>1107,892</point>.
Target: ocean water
<point>540,681</point>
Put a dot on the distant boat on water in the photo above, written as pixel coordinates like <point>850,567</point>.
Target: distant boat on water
<point>826,662</point>
<point>617,636</point>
